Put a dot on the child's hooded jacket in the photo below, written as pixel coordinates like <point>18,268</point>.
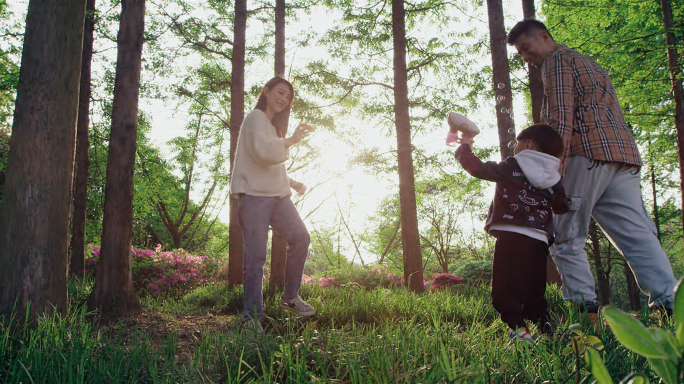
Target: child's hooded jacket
<point>528,191</point>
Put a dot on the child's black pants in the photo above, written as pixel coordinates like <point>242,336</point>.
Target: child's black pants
<point>519,279</point>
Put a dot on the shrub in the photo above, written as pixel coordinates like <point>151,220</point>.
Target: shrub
<point>476,272</point>
<point>173,272</point>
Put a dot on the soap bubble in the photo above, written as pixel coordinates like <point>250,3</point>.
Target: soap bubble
<point>511,131</point>
<point>512,144</point>
<point>501,98</point>
<point>501,85</point>
<point>503,110</point>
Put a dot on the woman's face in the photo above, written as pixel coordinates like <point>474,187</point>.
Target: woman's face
<point>278,98</point>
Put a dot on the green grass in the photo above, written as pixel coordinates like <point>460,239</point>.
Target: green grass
<point>358,336</point>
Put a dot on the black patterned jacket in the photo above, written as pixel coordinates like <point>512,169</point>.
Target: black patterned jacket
<point>526,198</point>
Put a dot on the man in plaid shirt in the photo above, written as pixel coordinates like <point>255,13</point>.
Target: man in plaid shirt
<point>600,167</point>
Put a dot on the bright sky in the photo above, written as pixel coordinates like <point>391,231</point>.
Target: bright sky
<point>356,191</point>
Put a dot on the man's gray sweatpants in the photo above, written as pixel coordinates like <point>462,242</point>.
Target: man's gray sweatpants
<point>611,193</point>
<point>255,215</point>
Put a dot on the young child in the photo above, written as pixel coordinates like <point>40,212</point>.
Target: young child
<point>528,192</point>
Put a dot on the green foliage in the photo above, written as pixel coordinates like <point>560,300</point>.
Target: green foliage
<point>662,347</point>
<point>358,336</point>
<point>475,271</point>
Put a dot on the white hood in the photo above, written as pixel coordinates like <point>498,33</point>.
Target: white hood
<point>540,169</point>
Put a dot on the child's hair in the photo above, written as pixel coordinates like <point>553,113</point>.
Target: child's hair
<point>280,120</point>
<point>546,138</point>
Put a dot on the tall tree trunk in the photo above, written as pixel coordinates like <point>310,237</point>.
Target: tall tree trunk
<point>237,114</point>
<point>413,265</point>
<point>502,79</point>
<point>677,91</point>
<point>280,38</point>
<point>114,293</point>
<point>633,291</point>
<point>654,190</point>
<point>536,86</point>
<point>34,219</point>
<point>278,243</point>
<point>82,148</point>
<point>601,275</point>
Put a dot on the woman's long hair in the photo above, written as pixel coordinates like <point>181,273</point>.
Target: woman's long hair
<point>281,119</point>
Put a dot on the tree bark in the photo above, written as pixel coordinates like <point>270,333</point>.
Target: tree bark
<point>633,291</point>
<point>502,80</point>
<point>278,243</point>
<point>77,267</point>
<point>35,214</point>
<point>413,265</point>
<point>677,91</point>
<point>114,293</point>
<point>536,86</point>
<point>237,114</point>
<point>280,38</point>
<point>601,275</point>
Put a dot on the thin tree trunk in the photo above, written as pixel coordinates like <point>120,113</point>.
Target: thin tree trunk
<point>82,148</point>
<point>34,219</point>
<point>114,293</point>
<point>413,265</point>
<point>278,243</point>
<point>633,291</point>
<point>603,282</point>
<point>280,37</point>
<point>677,91</point>
<point>654,191</point>
<point>536,86</point>
<point>502,80</point>
<point>237,114</point>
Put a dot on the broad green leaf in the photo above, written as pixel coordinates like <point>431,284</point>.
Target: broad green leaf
<point>632,334</point>
<point>576,329</point>
<point>635,378</point>
<point>678,312</point>
<point>667,341</point>
<point>595,342</point>
<point>596,366</point>
<point>665,369</point>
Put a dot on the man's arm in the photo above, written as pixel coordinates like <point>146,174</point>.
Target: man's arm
<point>560,103</point>
<point>474,166</point>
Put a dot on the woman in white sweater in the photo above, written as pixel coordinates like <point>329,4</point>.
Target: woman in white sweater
<point>259,179</point>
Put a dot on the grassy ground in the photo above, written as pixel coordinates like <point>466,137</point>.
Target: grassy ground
<point>358,336</point>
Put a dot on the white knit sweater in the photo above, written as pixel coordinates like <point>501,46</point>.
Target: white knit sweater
<point>259,168</point>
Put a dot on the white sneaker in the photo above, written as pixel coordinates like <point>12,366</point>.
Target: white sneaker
<point>522,335</point>
<point>298,306</point>
<point>462,123</point>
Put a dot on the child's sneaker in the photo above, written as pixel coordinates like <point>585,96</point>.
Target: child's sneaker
<point>522,335</point>
<point>298,306</point>
<point>462,123</point>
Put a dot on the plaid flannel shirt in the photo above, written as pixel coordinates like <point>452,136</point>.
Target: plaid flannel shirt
<point>581,104</point>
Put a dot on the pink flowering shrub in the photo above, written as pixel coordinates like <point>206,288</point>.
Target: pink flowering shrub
<point>176,272</point>
<point>377,276</point>
<point>444,280</point>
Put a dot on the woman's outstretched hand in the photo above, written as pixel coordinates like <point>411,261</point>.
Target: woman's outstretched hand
<point>302,131</point>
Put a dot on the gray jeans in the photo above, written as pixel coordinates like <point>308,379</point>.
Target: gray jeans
<point>611,193</point>
<point>255,215</point>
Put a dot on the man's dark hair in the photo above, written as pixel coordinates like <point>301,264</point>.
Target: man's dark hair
<point>546,138</point>
<point>526,27</point>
